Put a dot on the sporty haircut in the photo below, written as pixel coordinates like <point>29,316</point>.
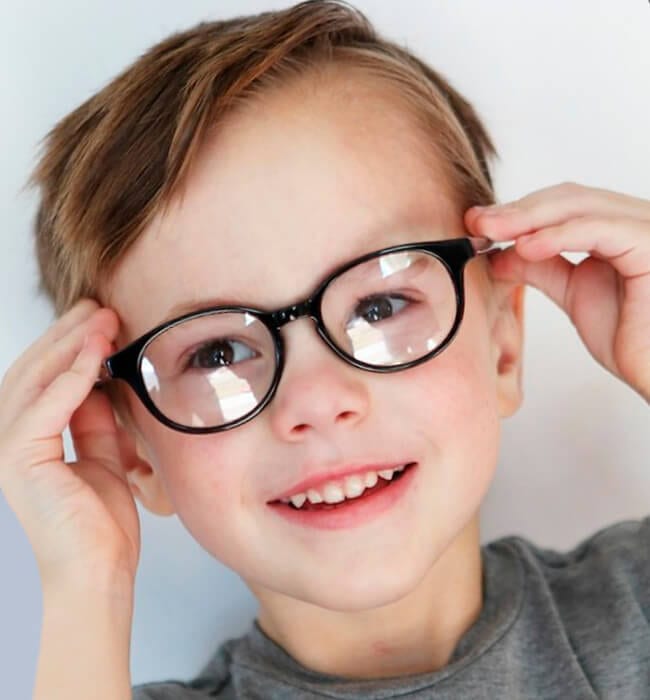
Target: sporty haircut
<point>120,158</point>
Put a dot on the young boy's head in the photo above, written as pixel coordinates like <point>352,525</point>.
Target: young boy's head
<point>241,162</point>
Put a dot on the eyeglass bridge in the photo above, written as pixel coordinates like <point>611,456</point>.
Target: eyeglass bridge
<point>291,313</point>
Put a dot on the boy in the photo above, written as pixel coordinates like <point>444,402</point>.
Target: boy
<point>340,472</point>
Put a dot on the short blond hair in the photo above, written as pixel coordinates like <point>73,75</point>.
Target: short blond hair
<point>116,161</point>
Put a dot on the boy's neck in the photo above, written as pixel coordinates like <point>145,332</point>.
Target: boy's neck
<point>416,634</point>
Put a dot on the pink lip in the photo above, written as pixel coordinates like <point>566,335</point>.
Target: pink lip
<point>354,512</point>
<point>334,475</point>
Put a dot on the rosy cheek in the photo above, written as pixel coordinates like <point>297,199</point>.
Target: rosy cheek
<point>202,469</point>
<point>450,391</point>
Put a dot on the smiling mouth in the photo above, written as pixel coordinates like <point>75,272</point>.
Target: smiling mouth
<point>381,485</point>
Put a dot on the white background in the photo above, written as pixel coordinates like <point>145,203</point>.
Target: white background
<point>564,90</point>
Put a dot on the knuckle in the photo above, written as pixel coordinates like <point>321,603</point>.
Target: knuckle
<point>571,188</point>
<point>76,372</point>
<point>586,223</point>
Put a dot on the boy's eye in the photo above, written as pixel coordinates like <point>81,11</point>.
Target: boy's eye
<point>379,307</point>
<point>219,353</point>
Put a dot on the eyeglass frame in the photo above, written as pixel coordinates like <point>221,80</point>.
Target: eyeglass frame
<point>453,253</point>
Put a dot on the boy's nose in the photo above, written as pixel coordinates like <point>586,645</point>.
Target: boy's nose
<point>318,391</point>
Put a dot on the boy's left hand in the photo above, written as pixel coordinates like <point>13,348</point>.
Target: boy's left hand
<point>606,295</point>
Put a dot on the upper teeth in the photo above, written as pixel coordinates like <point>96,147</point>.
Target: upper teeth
<point>337,491</point>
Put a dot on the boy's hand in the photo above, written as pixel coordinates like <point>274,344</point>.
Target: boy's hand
<point>80,517</point>
<point>606,295</point>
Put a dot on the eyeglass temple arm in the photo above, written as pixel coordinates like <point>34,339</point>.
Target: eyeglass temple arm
<point>483,245</point>
<point>103,378</point>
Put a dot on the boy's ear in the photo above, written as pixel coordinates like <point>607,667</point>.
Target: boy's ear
<point>147,485</point>
<point>507,336</point>
<point>144,481</point>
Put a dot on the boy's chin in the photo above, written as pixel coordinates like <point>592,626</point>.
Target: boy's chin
<point>346,592</point>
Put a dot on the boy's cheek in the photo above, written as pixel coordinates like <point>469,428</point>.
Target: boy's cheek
<point>197,470</point>
<point>453,405</point>
<point>204,467</point>
<point>455,388</point>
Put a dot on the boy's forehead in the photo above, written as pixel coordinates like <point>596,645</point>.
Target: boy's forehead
<point>274,203</point>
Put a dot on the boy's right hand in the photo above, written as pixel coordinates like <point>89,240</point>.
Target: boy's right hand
<point>80,517</point>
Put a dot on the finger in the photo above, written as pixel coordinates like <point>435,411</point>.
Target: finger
<point>580,200</point>
<point>50,413</point>
<point>622,242</point>
<point>61,354</point>
<point>75,316</point>
<point>94,432</point>
<point>21,389</point>
<point>553,205</point>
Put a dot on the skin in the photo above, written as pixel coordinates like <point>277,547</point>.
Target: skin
<point>295,184</point>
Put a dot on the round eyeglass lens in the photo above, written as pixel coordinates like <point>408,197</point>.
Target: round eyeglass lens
<point>209,370</point>
<point>391,309</point>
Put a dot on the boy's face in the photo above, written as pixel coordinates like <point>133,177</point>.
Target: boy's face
<point>291,188</point>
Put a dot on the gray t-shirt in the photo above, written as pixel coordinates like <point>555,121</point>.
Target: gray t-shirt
<point>564,625</point>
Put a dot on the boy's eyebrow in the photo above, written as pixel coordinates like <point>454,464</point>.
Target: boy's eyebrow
<point>195,304</point>
<point>379,239</point>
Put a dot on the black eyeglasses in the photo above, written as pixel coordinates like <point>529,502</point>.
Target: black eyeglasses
<point>217,368</point>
